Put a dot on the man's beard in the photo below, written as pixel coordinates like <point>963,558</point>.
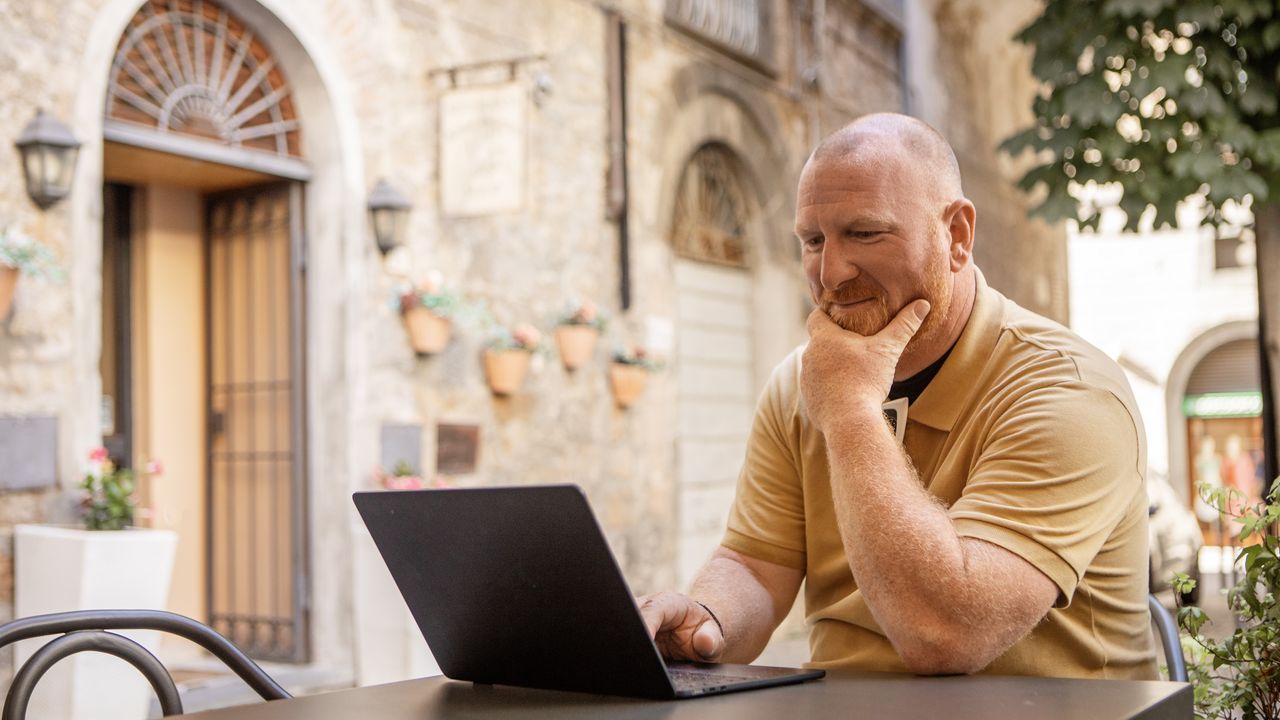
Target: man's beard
<point>873,315</point>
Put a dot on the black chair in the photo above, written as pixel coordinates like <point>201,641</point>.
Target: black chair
<point>1167,630</point>
<point>87,630</point>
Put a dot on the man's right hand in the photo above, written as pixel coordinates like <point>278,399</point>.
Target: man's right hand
<point>681,628</point>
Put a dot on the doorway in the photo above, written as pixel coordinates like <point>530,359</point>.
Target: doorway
<point>203,375</point>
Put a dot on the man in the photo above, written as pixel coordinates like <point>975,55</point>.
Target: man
<point>1006,531</point>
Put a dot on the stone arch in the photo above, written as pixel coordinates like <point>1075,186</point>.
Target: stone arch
<point>336,255</point>
<point>709,105</point>
<point>1176,385</point>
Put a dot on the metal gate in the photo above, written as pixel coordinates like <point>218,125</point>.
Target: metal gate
<point>257,490</point>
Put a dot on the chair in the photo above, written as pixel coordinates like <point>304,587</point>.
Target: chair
<point>1167,630</point>
<point>87,630</point>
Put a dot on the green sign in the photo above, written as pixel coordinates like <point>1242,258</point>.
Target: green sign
<point>1223,405</point>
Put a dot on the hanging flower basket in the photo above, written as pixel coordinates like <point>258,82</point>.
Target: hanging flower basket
<point>8,283</point>
<point>577,343</point>
<point>627,383</point>
<point>428,332</point>
<point>505,369</point>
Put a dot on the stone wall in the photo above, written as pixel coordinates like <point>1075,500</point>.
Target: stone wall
<point>386,67</point>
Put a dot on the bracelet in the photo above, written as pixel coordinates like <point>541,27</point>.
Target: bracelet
<point>713,617</point>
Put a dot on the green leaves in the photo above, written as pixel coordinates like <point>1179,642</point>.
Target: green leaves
<point>1239,676</point>
<point>108,501</point>
<point>1176,99</point>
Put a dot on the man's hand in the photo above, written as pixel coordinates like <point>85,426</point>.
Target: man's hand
<point>842,370</point>
<point>681,628</point>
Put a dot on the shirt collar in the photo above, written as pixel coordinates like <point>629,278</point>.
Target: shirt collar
<point>941,402</point>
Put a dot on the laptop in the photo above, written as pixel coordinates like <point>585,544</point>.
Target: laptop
<point>517,586</point>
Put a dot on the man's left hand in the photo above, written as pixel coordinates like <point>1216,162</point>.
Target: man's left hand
<point>843,371</point>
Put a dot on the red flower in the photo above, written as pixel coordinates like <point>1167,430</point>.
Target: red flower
<point>98,454</point>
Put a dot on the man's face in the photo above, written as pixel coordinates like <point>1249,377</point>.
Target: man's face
<point>872,240</point>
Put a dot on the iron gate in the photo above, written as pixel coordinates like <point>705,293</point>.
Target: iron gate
<point>257,489</point>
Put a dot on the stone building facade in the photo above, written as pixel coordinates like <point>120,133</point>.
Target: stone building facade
<point>632,119</point>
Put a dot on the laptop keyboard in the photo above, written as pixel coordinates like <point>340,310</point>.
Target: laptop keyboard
<point>692,681</point>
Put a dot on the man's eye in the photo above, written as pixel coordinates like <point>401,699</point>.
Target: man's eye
<point>812,242</point>
<point>865,235</point>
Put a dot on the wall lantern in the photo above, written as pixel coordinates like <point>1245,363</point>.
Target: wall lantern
<point>388,210</point>
<point>48,158</point>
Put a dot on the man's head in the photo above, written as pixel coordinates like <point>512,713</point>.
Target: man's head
<point>882,220</point>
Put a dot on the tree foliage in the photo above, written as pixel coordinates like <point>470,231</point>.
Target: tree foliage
<point>1167,98</point>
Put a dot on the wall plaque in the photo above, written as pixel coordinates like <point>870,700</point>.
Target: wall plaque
<point>402,444</point>
<point>28,453</point>
<point>482,149</point>
<point>456,448</point>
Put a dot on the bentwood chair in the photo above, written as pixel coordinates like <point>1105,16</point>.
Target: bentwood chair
<point>1167,630</point>
<point>88,630</point>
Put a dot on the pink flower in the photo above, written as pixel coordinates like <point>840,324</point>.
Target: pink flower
<point>526,336</point>
<point>403,482</point>
<point>98,455</point>
<point>431,282</point>
<point>154,468</point>
<point>586,314</point>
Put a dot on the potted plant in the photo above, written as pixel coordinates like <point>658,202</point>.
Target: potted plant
<point>19,253</point>
<point>104,563</point>
<point>629,373</point>
<point>428,309</point>
<point>506,359</point>
<point>1239,676</point>
<point>577,330</point>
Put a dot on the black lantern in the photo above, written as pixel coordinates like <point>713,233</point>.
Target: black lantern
<point>388,210</point>
<point>48,158</point>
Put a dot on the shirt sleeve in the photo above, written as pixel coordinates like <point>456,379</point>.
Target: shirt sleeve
<point>1054,479</point>
<point>767,518</point>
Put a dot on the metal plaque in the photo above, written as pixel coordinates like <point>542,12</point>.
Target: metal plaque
<point>456,448</point>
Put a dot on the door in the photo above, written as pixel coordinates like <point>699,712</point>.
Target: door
<point>257,500</point>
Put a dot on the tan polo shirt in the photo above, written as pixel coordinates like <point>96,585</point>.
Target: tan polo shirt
<point>1032,440</point>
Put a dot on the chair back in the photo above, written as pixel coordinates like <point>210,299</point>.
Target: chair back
<point>83,630</point>
<point>1167,631</point>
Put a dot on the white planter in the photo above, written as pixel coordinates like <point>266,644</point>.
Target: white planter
<point>57,569</point>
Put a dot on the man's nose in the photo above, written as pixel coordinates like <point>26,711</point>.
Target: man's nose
<point>838,265</point>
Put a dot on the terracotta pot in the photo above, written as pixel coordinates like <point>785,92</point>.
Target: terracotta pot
<point>428,332</point>
<point>577,343</point>
<point>8,283</point>
<point>505,369</point>
<point>627,382</point>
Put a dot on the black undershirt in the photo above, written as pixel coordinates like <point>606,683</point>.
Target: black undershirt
<point>914,386</point>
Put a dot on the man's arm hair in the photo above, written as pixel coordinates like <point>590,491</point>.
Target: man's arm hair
<point>750,598</point>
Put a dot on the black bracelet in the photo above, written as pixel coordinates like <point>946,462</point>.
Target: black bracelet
<point>713,617</point>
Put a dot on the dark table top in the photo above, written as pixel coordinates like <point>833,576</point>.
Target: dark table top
<point>844,695</point>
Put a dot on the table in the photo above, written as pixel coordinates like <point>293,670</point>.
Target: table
<point>840,694</point>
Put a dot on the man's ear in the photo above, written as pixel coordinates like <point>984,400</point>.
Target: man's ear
<point>961,218</point>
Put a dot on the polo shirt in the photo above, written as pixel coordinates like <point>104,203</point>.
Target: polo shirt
<point>1031,439</point>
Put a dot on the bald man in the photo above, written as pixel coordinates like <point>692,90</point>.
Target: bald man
<point>998,524</point>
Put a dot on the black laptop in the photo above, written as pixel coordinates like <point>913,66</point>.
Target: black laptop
<point>517,586</point>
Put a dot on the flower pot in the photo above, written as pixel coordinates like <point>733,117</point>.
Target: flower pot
<point>428,332</point>
<point>59,569</point>
<point>576,343</point>
<point>505,369</point>
<point>8,283</point>
<point>627,382</point>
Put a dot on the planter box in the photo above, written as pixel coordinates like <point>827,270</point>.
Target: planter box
<point>57,569</point>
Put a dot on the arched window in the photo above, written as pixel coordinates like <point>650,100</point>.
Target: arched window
<point>711,209</point>
<point>190,67</point>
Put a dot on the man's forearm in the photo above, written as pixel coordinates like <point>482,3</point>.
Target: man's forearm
<point>748,611</point>
<point>902,548</point>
